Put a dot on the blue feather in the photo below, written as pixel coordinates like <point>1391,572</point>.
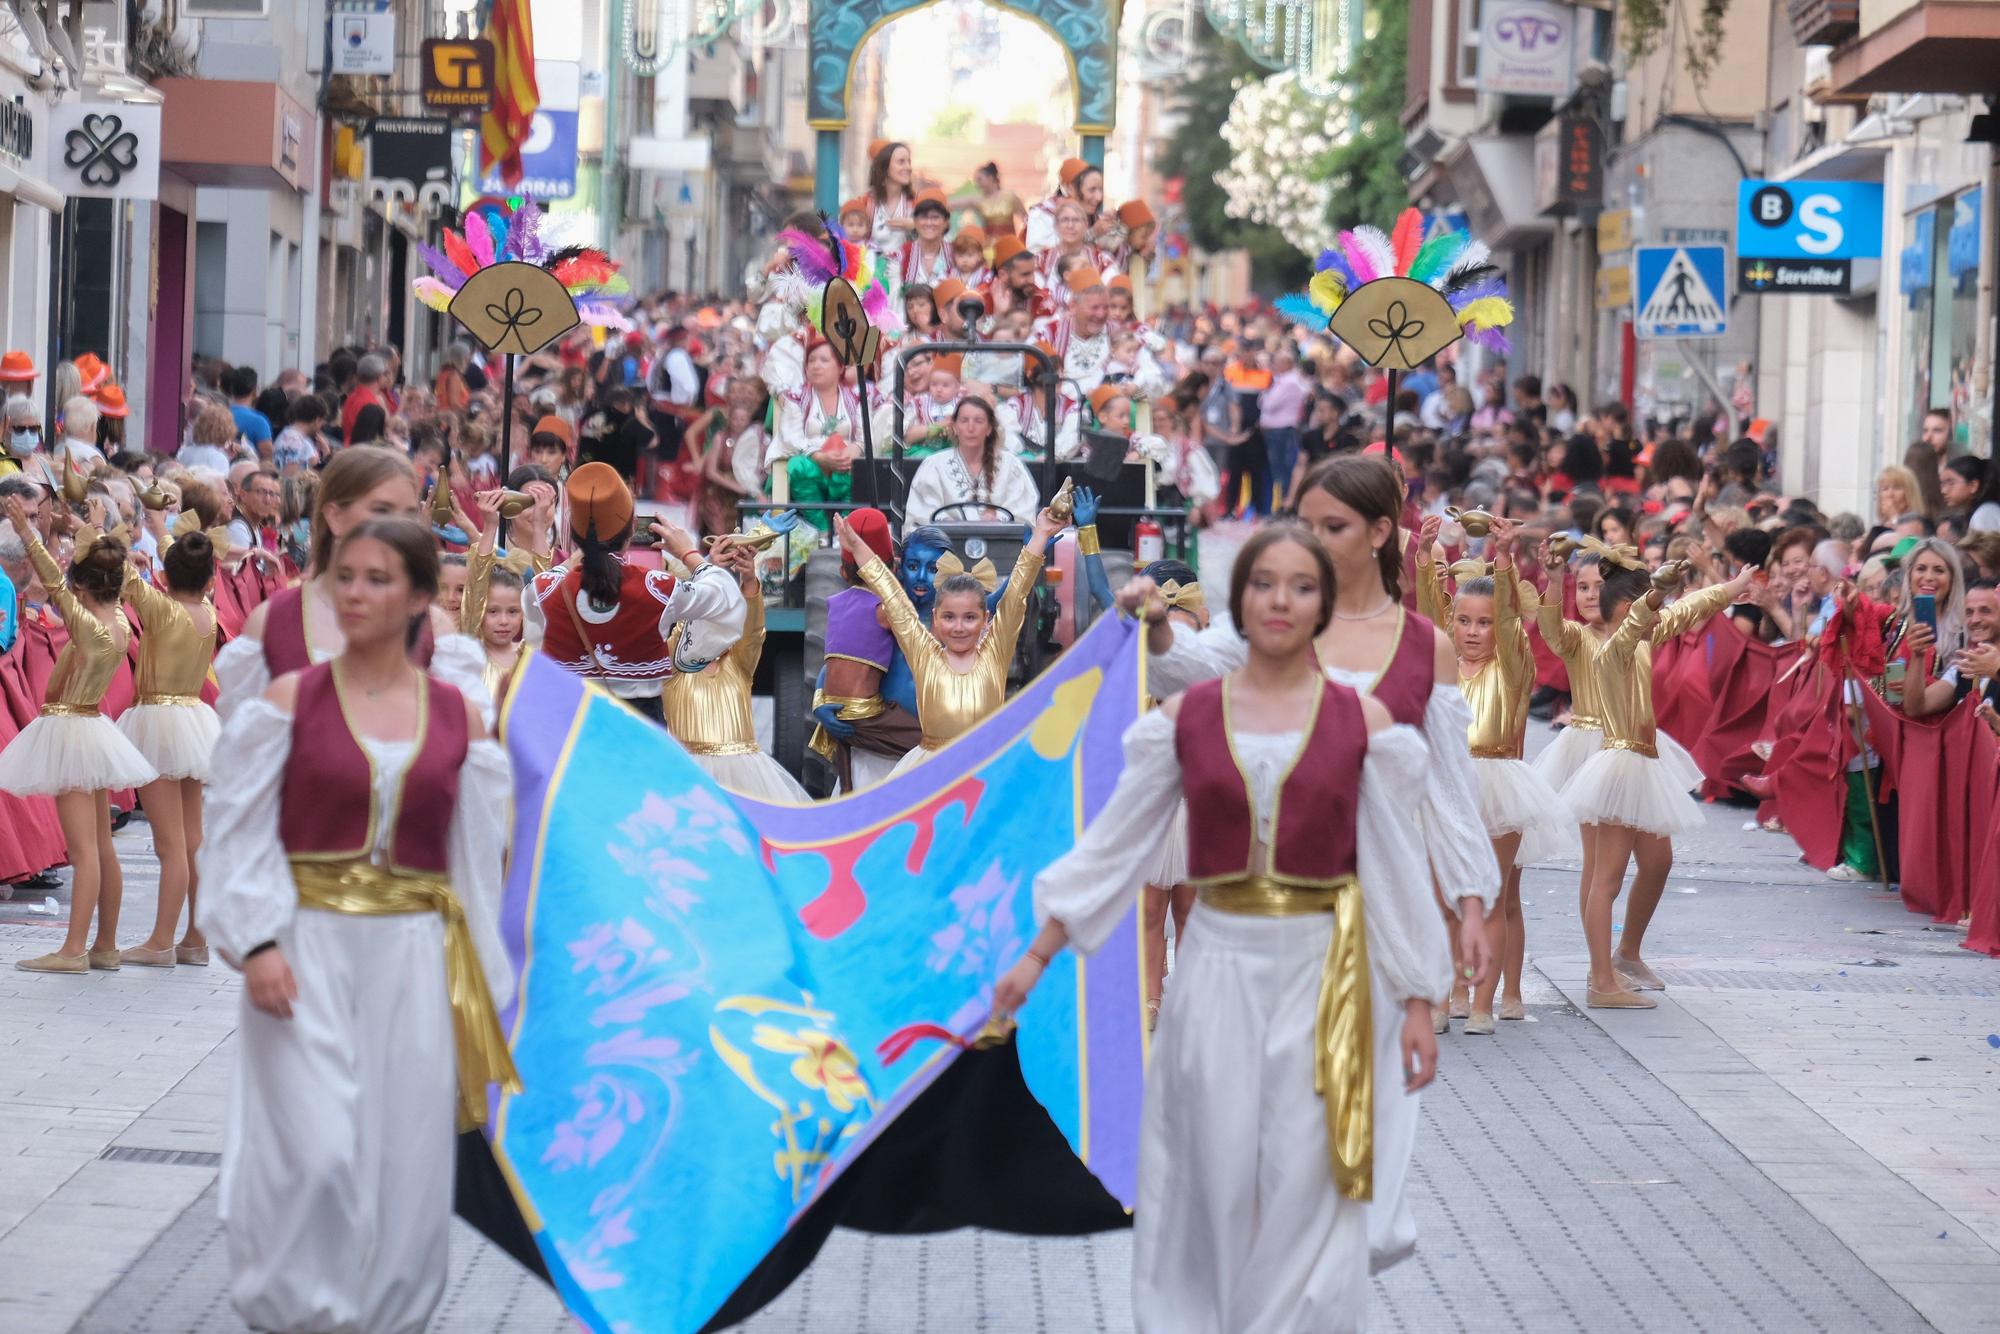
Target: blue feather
<point>1300,310</point>
<point>1337,262</point>
<point>1493,286</point>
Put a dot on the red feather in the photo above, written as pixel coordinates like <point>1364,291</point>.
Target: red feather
<point>592,267</point>
<point>1407,239</point>
<point>459,253</point>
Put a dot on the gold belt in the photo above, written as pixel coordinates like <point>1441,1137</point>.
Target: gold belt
<point>177,701</point>
<point>853,709</point>
<point>720,747</point>
<point>1496,752</point>
<point>1584,722</point>
<point>1646,748</point>
<point>1343,1021</point>
<point>366,890</point>
<point>70,711</point>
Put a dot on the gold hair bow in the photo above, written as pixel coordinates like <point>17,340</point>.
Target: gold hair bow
<point>949,564</point>
<point>1624,554</point>
<point>518,561</point>
<point>1184,597</point>
<point>88,538</point>
<point>1462,570</point>
<point>187,521</point>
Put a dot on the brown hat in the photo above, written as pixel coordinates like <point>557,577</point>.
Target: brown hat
<point>970,234</point>
<point>1082,278</point>
<point>1072,167</point>
<point>1134,213</point>
<point>1006,248</point>
<point>555,426</point>
<point>952,363</point>
<point>600,506</point>
<point>932,198</point>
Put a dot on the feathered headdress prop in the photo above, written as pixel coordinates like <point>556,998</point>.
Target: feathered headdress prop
<point>817,262</point>
<point>490,238</point>
<point>1399,298</point>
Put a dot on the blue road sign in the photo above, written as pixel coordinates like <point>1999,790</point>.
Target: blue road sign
<point>1681,291</point>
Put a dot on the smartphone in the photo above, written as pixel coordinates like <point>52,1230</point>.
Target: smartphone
<point>1923,607</point>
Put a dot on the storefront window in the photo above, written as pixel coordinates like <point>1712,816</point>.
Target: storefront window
<point>1916,281</point>
<point>1939,282</point>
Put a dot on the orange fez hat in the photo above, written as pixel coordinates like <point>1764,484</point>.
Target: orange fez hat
<point>1082,278</point>
<point>932,198</point>
<point>875,147</point>
<point>1072,167</point>
<point>951,363</point>
<point>557,427</point>
<point>949,291</point>
<point>1119,283</point>
<point>1006,248</point>
<point>858,204</point>
<point>600,506</point>
<point>1103,395</point>
<point>1134,213</point>
<point>970,234</point>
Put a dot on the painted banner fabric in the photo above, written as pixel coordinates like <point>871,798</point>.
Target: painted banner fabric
<point>721,1003</point>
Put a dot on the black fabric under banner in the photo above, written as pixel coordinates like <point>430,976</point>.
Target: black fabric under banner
<point>974,1150</point>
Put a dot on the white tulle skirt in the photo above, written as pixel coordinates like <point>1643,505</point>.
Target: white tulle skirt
<point>1514,799</point>
<point>1569,752</point>
<point>1172,869</point>
<point>1687,775</point>
<point>914,757</point>
<point>1623,787</point>
<point>757,776</point>
<point>67,753</point>
<point>869,769</point>
<point>178,740</point>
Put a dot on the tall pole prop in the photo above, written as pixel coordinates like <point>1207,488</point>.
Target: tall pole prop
<point>507,422</point>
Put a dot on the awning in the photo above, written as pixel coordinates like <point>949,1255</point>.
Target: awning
<point>236,134</point>
<point>1934,46</point>
<point>37,192</point>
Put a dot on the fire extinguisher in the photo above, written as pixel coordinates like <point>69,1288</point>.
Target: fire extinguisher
<point>1149,542</point>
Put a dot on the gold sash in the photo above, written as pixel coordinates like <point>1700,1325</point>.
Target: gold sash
<point>853,709</point>
<point>1343,1024</point>
<point>367,890</point>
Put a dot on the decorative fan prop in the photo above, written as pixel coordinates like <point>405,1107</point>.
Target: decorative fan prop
<point>514,294</point>
<point>846,300</point>
<point>1400,298</point>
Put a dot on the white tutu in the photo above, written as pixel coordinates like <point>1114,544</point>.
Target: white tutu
<point>1626,788</point>
<point>914,757</point>
<point>178,740</point>
<point>1687,775</point>
<point>1570,751</point>
<point>1514,799</point>
<point>1172,869</point>
<point>757,776</point>
<point>869,769</point>
<point>68,753</point>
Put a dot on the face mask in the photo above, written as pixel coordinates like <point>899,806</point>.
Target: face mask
<point>24,443</point>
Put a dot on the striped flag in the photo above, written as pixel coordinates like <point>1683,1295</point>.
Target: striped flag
<point>504,129</point>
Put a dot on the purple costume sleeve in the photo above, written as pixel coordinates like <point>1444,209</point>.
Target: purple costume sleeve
<point>853,632</point>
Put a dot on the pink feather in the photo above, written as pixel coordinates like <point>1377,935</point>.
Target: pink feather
<point>1407,238</point>
<point>1357,259</point>
<point>479,239</point>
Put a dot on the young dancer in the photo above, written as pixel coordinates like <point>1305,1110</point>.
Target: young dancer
<point>170,725</point>
<point>491,609</point>
<point>352,871</point>
<point>961,659</point>
<point>1628,790</point>
<point>1299,1023</point>
<point>1576,643</point>
<point>1523,816</point>
<point>72,752</point>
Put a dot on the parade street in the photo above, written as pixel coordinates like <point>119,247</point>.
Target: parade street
<point>1799,1138</point>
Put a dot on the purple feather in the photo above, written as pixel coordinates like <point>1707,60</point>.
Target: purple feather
<point>1491,339</point>
<point>525,236</point>
<point>442,269</point>
<point>810,255</point>
<point>1493,286</point>
<point>1337,262</point>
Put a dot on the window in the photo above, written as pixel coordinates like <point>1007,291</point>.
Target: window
<point>1465,62</point>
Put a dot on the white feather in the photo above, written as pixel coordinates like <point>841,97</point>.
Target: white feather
<point>1472,257</point>
<point>1374,243</point>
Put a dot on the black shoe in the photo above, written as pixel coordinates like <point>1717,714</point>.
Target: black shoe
<point>43,880</point>
<point>119,819</point>
<point>1545,702</point>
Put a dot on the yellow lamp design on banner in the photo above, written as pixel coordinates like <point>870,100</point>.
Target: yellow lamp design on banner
<point>515,307</point>
<point>1399,298</point>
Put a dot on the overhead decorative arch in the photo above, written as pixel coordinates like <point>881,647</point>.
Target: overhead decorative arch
<point>1087,31</point>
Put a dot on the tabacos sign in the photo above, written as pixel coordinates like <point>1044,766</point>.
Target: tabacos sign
<point>1805,236</point>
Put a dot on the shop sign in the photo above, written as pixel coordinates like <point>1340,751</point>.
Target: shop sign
<point>1614,231</point>
<point>17,133</point>
<point>1802,237</point>
<point>1614,287</point>
<point>548,160</point>
<point>458,75</point>
<point>1569,165</point>
<point>105,150</point>
<point>409,159</point>
<point>1526,47</point>
<point>364,42</point>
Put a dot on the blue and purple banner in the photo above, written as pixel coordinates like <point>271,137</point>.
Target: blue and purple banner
<point>722,1002</point>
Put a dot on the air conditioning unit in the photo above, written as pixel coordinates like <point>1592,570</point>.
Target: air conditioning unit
<point>225,9</point>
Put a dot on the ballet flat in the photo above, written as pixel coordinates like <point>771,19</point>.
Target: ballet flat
<point>1479,1024</point>
<point>1512,1009</point>
<point>1440,1020</point>
<point>195,955</point>
<point>55,963</point>
<point>145,958</point>
<point>1460,1007</point>
<point>1618,1000</point>
<point>105,960</point>
<point>1637,976</point>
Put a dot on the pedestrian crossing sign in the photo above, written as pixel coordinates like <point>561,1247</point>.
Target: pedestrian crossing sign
<point>1681,291</point>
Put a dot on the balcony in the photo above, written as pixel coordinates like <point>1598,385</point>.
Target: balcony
<point>1824,22</point>
<point>1934,46</point>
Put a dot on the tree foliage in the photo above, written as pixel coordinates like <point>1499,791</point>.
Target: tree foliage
<point>1363,167</point>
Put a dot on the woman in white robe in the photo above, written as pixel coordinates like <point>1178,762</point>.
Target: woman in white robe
<point>1249,1215</point>
<point>356,1063</point>
<point>978,479</point>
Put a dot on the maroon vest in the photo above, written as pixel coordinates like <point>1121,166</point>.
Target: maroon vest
<point>285,634</point>
<point>328,812</point>
<point>1312,842</point>
<point>1405,687</point>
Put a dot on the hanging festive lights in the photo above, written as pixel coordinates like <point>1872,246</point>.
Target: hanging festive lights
<point>1314,39</point>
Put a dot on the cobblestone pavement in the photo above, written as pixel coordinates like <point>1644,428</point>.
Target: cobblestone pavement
<point>1800,1138</point>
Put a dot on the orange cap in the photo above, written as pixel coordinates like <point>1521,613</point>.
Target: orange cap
<point>93,371</point>
<point>952,363</point>
<point>1072,167</point>
<point>932,198</point>
<point>555,426</point>
<point>17,368</point>
<point>1082,278</point>
<point>600,506</point>
<point>111,401</point>
<point>1134,213</point>
<point>859,204</point>
<point>970,234</point>
<point>1006,248</point>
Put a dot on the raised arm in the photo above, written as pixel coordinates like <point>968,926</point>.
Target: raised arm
<point>1013,609</point>
<point>1695,609</point>
<point>1563,635</point>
